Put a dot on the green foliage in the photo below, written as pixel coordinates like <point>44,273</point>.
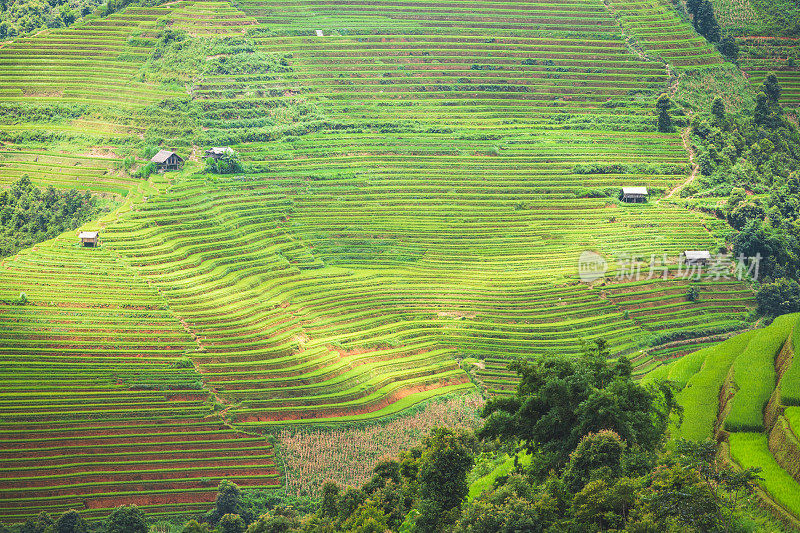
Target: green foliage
<point>597,455</point>
<point>42,523</point>
<point>729,48</point>
<point>70,522</point>
<point>228,501</point>
<point>228,163</point>
<point>663,105</point>
<point>126,519</point>
<point>560,400</point>
<point>442,479</point>
<point>604,505</point>
<point>777,247</point>
<point>679,495</point>
<point>693,294</point>
<point>279,520</point>
<point>782,17</point>
<point>20,17</point>
<point>771,87</point>
<point>29,215</point>
<point>193,526</point>
<point>145,170</point>
<point>231,523</point>
<point>779,297</point>
<point>704,20</point>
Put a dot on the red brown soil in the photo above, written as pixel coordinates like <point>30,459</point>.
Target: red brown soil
<point>375,405</point>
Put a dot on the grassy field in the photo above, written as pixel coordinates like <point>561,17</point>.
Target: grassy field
<point>421,181</point>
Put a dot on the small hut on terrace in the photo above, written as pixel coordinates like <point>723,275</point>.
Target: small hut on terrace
<point>166,160</point>
<point>697,257</point>
<point>634,194</point>
<point>89,238</point>
<point>218,152</point>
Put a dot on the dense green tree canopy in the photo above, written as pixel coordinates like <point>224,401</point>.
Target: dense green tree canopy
<point>561,400</point>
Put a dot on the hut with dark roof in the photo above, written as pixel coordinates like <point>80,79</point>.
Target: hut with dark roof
<point>634,194</point>
<point>89,238</point>
<point>166,160</point>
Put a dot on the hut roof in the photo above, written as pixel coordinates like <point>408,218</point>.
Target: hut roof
<point>697,255</point>
<point>88,234</point>
<point>220,150</point>
<point>635,190</point>
<point>162,156</point>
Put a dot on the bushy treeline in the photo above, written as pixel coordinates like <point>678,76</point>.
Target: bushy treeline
<point>781,16</point>
<point>29,215</point>
<point>596,438</point>
<point>754,159</point>
<point>19,17</point>
<point>705,23</point>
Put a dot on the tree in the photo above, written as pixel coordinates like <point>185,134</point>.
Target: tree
<point>605,504</point>
<point>664,120</point>
<point>772,88</point>
<point>442,478</point>
<point>278,520</point>
<point>561,400</point>
<point>597,454</point>
<point>192,526</point>
<point>42,523</point>
<point>778,254</point>
<point>705,22</point>
<point>126,519</point>
<point>718,110</point>
<point>505,513</point>
<point>779,297</point>
<point>744,212</point>
<point>679,496</point>
<point>228,163</point>
<point>71,522</point>
<point>329,506</point>
<point>729,48</point>
<point>229,499</point>
<point>766,113</point>
<point>231,523</point>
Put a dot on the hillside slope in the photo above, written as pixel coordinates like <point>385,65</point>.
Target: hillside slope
<point>423,179</point>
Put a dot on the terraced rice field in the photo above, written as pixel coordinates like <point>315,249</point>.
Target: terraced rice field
<point>96,410</point>
<point>763,55</point>
<point>763,48</point>
<point>425,177</point>
<point>753,378</point>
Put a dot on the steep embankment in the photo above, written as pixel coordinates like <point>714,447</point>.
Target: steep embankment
<point>753,378</point>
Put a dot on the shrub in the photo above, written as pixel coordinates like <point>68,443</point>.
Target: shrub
<point>779,297</point>
<point>693,294</point>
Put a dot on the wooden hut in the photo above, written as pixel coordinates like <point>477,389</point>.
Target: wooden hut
<point>634,194</point>
<point>89,238</point>
<point>697,257</point>
<point>218,152</point>
<point>166,160</point>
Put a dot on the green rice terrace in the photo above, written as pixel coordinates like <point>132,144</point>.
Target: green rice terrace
<point>418,181</point>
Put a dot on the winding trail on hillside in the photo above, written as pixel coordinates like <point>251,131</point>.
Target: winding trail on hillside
<point>687,144</point>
